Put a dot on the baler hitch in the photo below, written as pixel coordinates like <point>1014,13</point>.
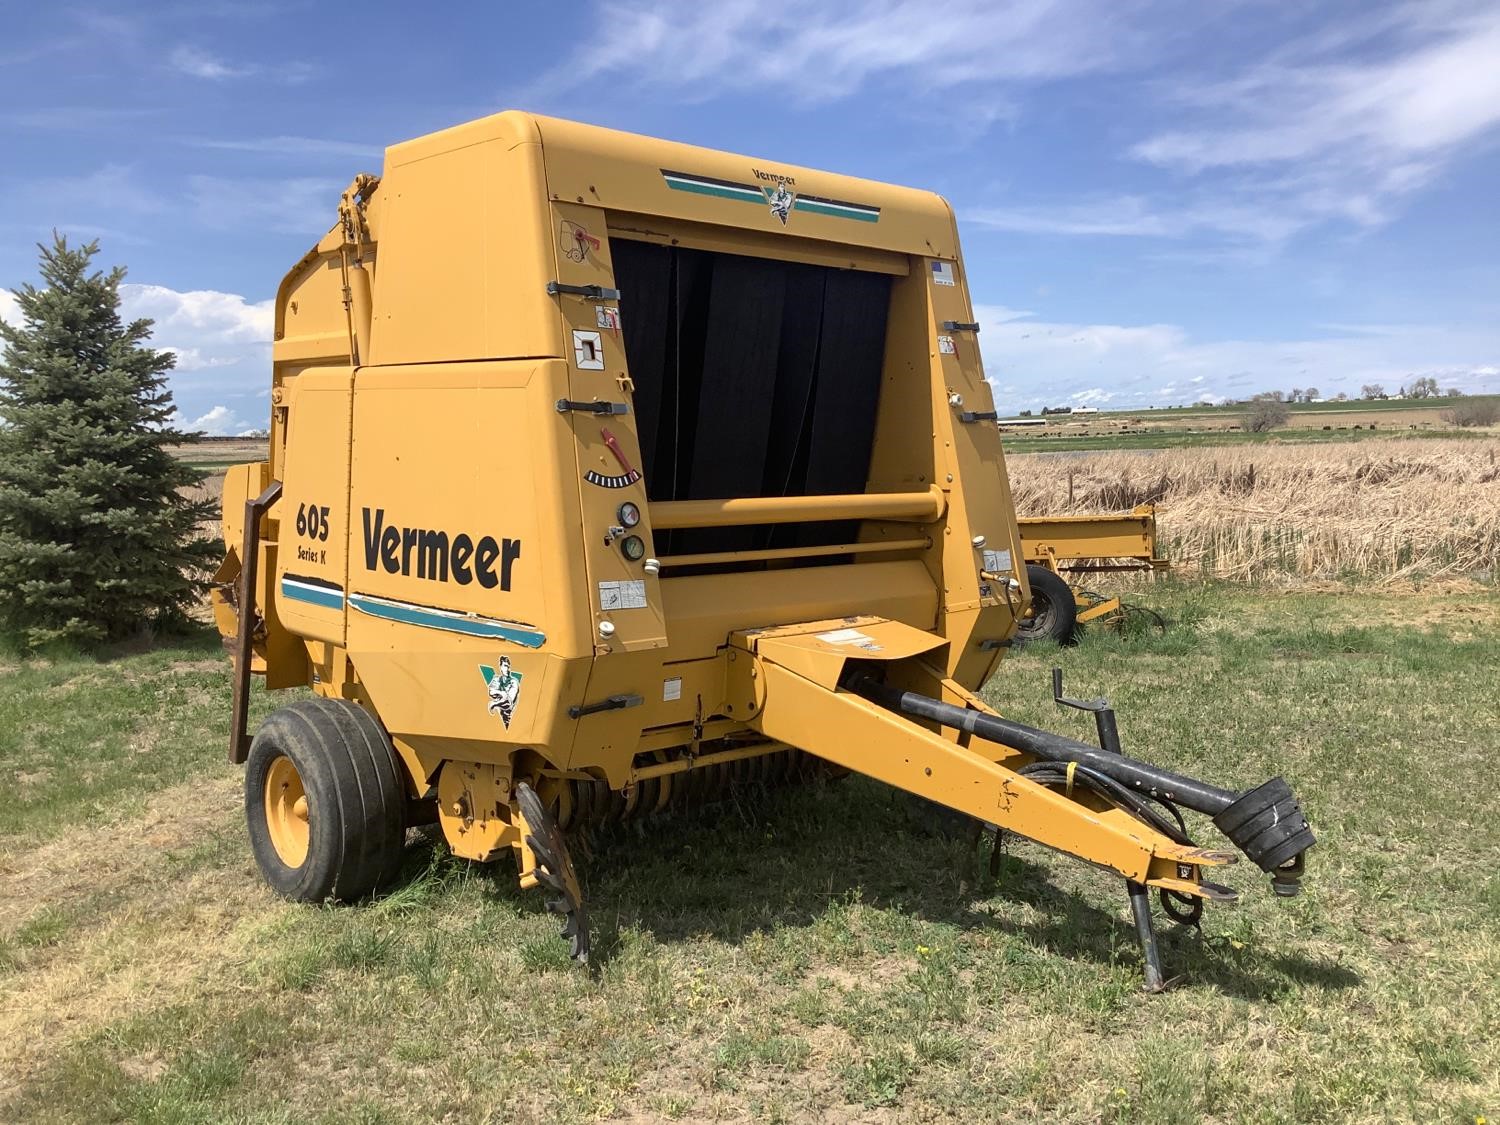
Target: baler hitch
<point>1265,823</point>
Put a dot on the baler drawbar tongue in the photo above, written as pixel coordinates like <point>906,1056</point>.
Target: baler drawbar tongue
<point>813,683</point>
<point>1265,823</point>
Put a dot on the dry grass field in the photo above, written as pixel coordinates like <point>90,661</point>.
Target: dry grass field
<point>1375,511</point>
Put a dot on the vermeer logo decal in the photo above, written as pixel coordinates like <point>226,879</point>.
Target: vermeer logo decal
<point>434,555</point>
<point>781,201</point>
<point>774,190</point>
<point>505,689</point>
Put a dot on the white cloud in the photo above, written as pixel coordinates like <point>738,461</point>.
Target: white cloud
<point>223,347</point>
<point>1050,362</point>
<point>198,63</point>
<point>302,205</point>
<point>1136,216</point>
<point>291,146</point>
<point>10,312</point>
<point>1435,93</point>
<point>217,421</point>
<point>1340,127</point>
<point>110,189</point>
<point>833,49</point>
<point>199,318</point>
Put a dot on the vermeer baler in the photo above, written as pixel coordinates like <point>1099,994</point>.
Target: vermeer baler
<point>607,473</point>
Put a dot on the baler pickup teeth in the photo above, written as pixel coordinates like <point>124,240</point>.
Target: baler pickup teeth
<point>553,869</point>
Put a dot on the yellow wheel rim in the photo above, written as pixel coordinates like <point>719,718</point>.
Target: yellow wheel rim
<point>286,812</point>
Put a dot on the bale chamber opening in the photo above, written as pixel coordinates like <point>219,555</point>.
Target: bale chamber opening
<point>753,377</point>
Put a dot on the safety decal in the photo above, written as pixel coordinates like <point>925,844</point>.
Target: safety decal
<point>671,689</point>
<point>850,637</point>
<point>997,562</point>
<point>946,346</point>
<point>607,316</point>
<point>618,480</point>
<point>942,273</point>
<point>575,241</point>
<point>504,684</point>
<point>627,594</point>
<point>779,195</point>
<point>588,350</point>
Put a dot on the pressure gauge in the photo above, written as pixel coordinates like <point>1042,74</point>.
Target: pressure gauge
<point>633,547</point>
<point>629,514</point>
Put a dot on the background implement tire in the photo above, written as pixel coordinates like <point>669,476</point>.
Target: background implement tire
<point>324,802</point>
<point>1054,613</point>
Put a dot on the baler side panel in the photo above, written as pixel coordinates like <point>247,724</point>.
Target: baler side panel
<point>607,467</point>
<point>312,566</point>
<point>463,561</point>
<point>465,250</point>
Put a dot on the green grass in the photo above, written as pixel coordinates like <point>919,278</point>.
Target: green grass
<point>813,956</point>
<point>84,736</point>
<point>1435,404</point>
<point>1186,438</point>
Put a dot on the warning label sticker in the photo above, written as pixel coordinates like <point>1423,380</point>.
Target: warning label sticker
<point>942,273</point>
<point>623,595</point>
<point>671,689</point>
<point>850,637</point>
<point>997,562</point>
<point>946,345</point>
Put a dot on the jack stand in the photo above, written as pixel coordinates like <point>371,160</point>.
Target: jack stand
<point>1140,907</point>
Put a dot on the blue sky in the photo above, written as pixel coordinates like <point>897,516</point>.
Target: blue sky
<point>1158,201</point>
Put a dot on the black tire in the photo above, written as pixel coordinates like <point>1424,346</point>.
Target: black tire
<point>1054,612</point>
<point>355,810</point>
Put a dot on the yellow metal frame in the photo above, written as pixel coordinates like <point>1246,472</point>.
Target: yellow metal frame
<point>438,555</point>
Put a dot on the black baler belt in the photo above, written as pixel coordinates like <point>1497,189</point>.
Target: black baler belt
<point>740,351</point>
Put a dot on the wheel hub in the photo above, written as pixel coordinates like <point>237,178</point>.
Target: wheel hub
<point>287,812</point>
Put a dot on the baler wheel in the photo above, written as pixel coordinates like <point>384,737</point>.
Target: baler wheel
<point>1054,611</point>
<point>554,870</point>
<point>324,803</point>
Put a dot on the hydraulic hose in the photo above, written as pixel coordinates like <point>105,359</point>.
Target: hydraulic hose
<point>1049,747</point>
<point>1266,823</point>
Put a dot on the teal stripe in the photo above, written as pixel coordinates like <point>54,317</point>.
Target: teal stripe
<point>714,189</point>
<point>312,595</point>
<point>836,212</point>
<point>448,621</point>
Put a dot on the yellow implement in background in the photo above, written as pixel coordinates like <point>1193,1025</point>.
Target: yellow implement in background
<point>1059,548</point>
<point>608,474</point>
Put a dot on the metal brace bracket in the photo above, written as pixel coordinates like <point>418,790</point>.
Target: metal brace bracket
<point>960,326</point>
<point>613,703</point>
<point>979,416</point>
<point>597,292</point>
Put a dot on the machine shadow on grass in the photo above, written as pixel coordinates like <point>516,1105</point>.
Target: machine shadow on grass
<point>778,860</point>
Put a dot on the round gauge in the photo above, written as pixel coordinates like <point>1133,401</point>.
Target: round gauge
<point>633,547</point>
<point>629,514</point>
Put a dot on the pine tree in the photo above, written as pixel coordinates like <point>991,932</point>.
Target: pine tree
<point>96,541</point>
